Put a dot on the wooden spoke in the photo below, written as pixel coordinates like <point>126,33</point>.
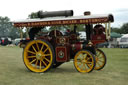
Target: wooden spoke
<point>101,61</point>
<point>46,59</point>
<point>31,52</point>
<point>32,61</point>
<point>37,46</point>
<point>44,63</point>
<point>84,66</point>
<point>45,50</point>
<point>42,47</point>
<point>79,64</point>
<point>88,65</point>
<point>47,54</point>
<point>80,55</point>
<point>31,56</point>
<point>101,57</point>
<point>78,60</point>
<point>98,54</point>
<point>36,63</point>
<point>88,62</point>
<point>34,48</point>
<point>97,63</point>
<point>84,55</point>
<point>40,64</point>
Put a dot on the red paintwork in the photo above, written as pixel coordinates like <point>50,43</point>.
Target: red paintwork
<point>96,39</point>
<point>77,46</point>
<point>65,51</point>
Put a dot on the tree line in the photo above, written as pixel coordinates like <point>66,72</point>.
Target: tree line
<point>122,30</point>
<point>7,29</point>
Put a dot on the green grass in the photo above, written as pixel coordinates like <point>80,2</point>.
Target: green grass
<point>14,72</point>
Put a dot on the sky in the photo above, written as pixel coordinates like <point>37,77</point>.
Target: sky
<point>20,9</point>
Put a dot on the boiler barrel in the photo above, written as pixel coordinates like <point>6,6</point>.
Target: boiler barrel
<point>65,13</point>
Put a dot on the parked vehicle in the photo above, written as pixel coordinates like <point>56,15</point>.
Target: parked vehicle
<point>5,41</point>
<point>124,41</point>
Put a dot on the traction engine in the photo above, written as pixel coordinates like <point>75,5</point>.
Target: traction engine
<point>45,50</point>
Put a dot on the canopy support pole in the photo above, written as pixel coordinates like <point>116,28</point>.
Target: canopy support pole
<point>27,35</point>
<point>21,33</point>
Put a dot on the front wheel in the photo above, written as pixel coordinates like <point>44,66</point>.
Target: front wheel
<point>100,58</point>
<point>84,61</point>
<point>38,56</point>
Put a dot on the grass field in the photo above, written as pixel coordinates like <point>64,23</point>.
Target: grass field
<point>14,72</point>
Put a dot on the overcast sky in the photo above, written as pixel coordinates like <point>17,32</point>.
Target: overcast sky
<point>20,9</point>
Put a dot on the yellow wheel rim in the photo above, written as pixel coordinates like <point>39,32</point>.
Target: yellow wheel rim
<point>84,61</point>
<point>100,59</point>
<point>38,56</point>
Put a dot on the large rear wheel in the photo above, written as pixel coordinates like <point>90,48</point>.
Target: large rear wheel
<point>84,61</point>
<point>38,56</point>
<point>100,58</point>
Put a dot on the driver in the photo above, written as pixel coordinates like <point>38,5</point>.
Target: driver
<point>99,29</point>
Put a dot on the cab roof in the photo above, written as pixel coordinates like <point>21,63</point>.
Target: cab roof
<point>51,21</point>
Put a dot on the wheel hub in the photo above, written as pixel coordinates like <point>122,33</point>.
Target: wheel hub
<point>84,61</point>
<point>38,56</point>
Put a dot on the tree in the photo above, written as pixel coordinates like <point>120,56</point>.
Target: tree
<point>124,28</point>
<point>14,33</point>
<point>4,26</point>
<point>33,15</point>
<point>7,29</point>
<point>117,30</point>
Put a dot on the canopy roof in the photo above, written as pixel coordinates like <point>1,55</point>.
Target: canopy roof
<point>115,35</point>
<point>88,19</point>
